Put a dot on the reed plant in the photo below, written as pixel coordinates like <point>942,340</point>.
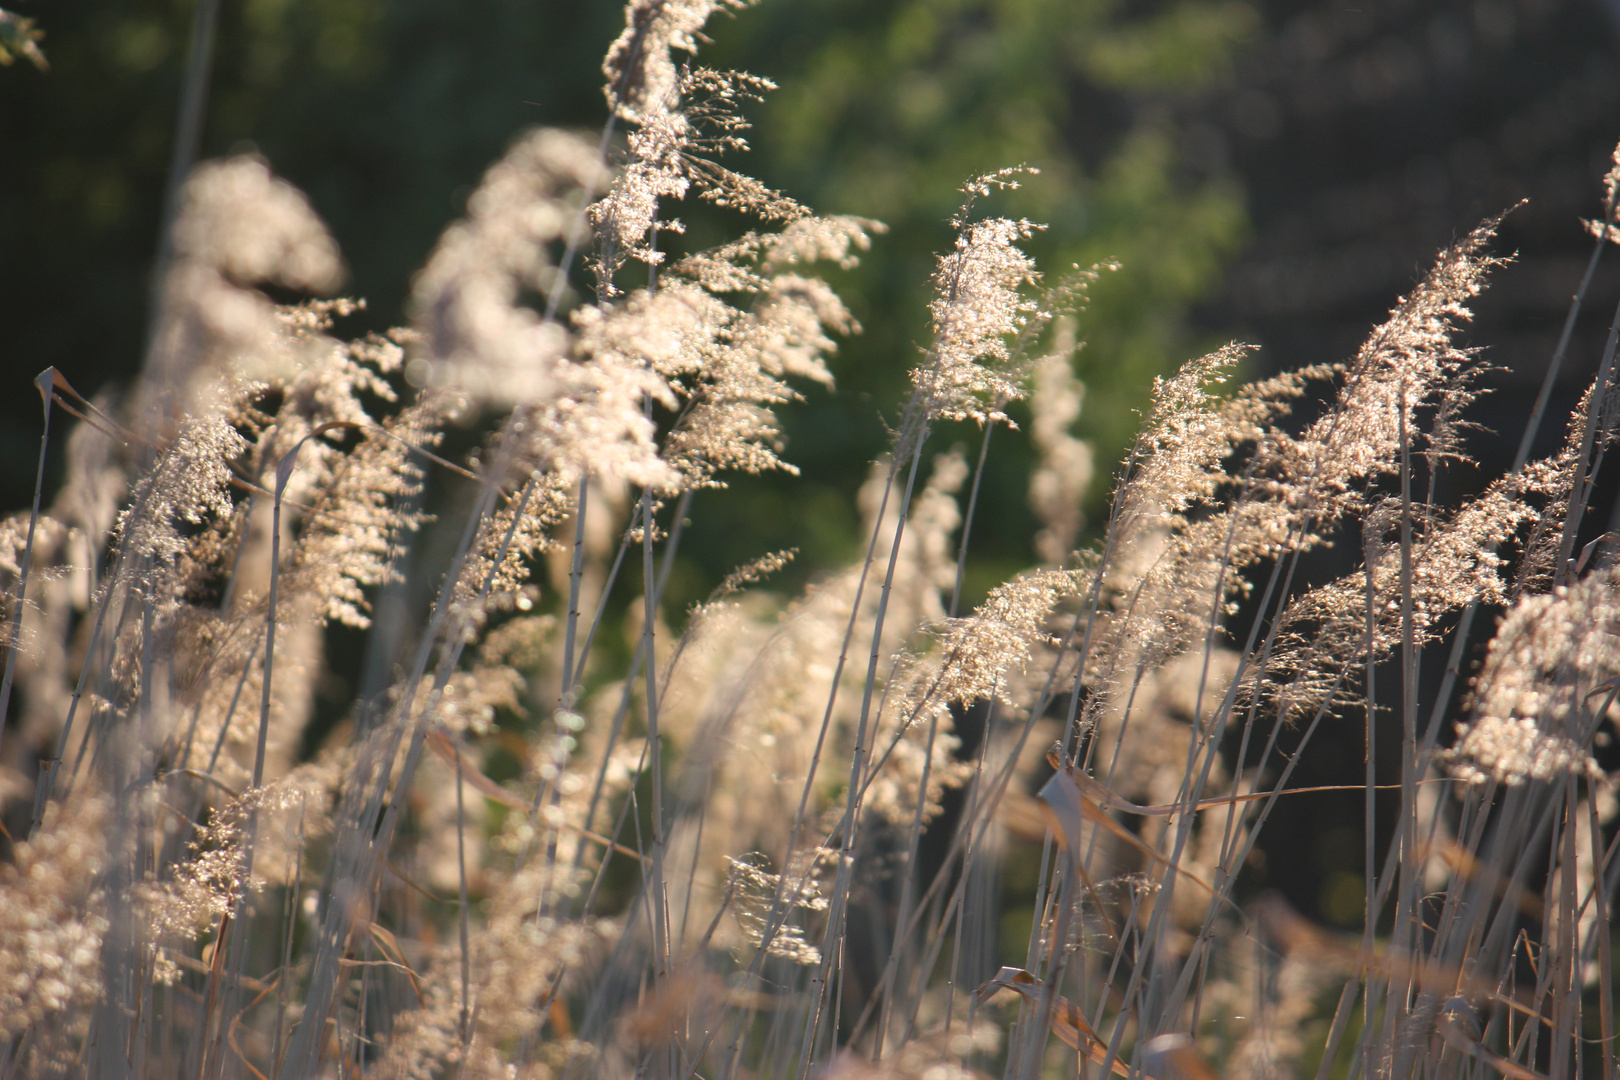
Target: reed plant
<point>556,838</point>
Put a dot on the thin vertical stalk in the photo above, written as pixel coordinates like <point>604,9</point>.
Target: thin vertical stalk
<point>635,661</point>
<point>655,765</point>
<point>235,960</point>
<point>230,710</point>
<point>575,574</point>
<point>48,778</point>
<point>1369,819</point>
<point>915,832</point>
<point>851,817</point>
<point>362,842</point>
<point>908,888</point>
<point>282,983</point>
<point>46,379</point>
<point>1406,934</point>
<point>1409,656</point>
<point>601,602</point>
<point>970,815</point>
<point>967,519</point>
<point>779,909</point>
<point>283,474</point>
<point>1581,489</point>
<point>1565,970</point>
<point>1341,1013</point>
<point>1601,924</point>
<point>1527,440</point>
<point>463,919</point>
<point>192,108</point>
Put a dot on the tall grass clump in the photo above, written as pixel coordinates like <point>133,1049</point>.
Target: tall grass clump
<point>555,837</point>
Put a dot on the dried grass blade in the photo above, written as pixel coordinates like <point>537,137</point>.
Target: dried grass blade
<point>1293,932</point>
<point>1459,1030</point>
<point>1069,812</point>
<point>439,742</point>
<point>230,1032</point>
<point>1099,793</point>
<point>1174,1057</point>
<point>1067,1022</point>
<point>389,944</point>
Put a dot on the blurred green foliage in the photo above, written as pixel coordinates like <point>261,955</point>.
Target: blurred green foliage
<point>886,107</point>
<point>387,111</point>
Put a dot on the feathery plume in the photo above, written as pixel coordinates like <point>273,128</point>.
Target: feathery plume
<point>1552,660</point>
<point>1061,477</point>
<point>52,921</point>
<point>977,307</point>
<point>237,226</point>
<point>465,301</point>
